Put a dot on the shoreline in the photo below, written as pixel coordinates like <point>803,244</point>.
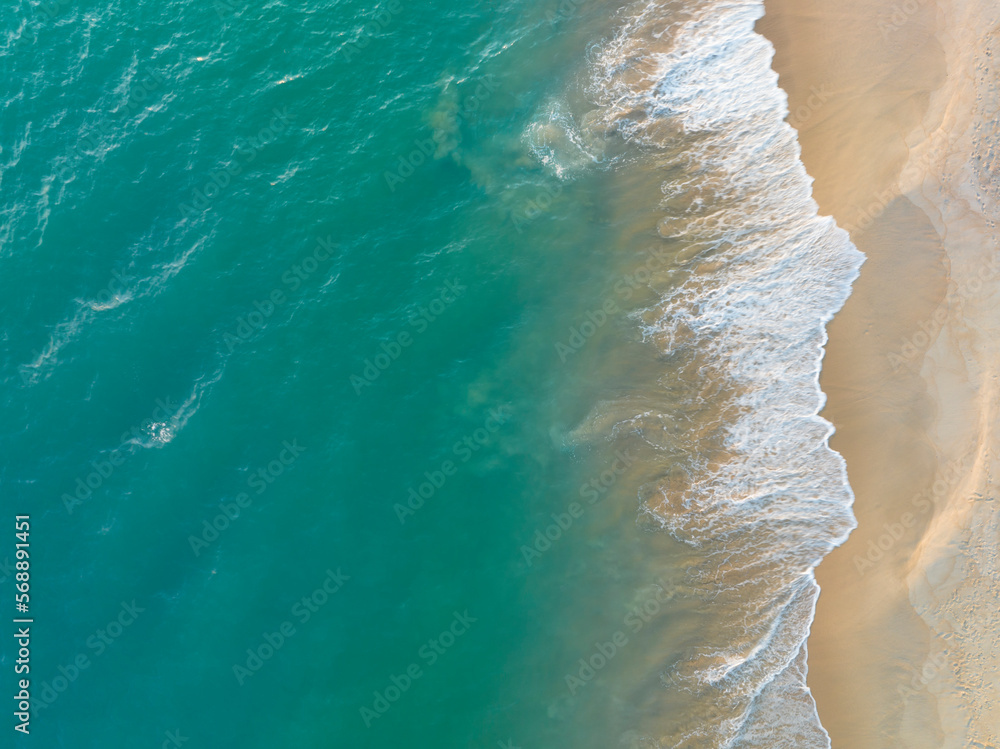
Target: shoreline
<point>907,373</point>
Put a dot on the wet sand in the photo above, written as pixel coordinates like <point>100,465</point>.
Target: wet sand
<point>894,111</point>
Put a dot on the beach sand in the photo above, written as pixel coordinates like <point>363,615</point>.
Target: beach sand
<point>895,104</point>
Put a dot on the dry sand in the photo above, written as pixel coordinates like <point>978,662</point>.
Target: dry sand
<point>896,105</point>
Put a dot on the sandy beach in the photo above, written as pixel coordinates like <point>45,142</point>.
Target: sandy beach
<point>895,106</point>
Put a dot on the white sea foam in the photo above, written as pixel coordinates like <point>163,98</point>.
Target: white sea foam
<point>554,139</point>
<point>768,499</point>
<point>160,434</point>
<point>119,292</point>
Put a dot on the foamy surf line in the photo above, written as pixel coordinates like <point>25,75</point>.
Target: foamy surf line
<point>760,498</point>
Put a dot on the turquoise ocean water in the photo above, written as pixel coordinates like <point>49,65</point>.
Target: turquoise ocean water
<point>325,326</point>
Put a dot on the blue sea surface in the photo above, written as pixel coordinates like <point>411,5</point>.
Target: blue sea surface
<point>297,328</point>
